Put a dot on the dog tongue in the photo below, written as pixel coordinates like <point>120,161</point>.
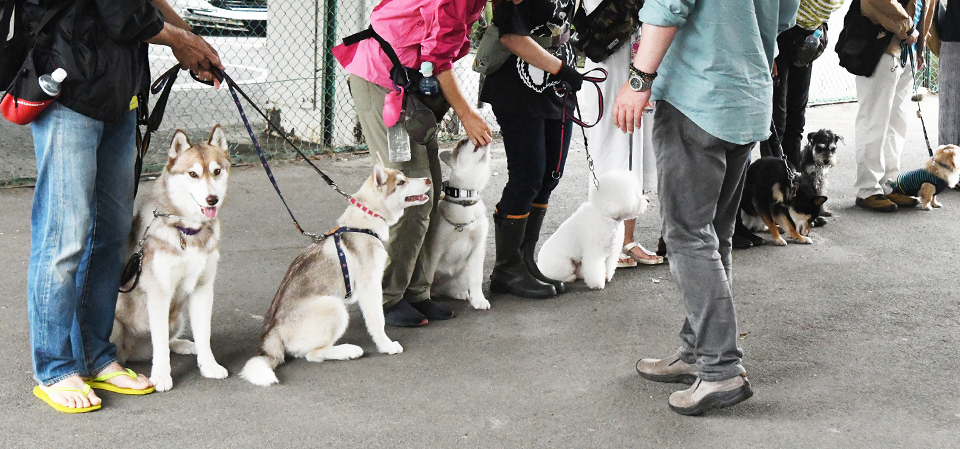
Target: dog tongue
<point>210,212</point>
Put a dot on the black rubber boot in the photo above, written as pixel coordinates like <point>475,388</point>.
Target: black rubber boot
<point>530,237</point>
<point>510,274</point>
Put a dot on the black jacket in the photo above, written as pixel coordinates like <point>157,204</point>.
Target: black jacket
<point>99,44</point>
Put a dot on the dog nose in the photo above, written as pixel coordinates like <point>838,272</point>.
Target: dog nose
<point>212,200</point>
<point>427,180</point>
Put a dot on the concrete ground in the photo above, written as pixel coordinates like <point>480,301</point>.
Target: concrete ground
<point>850,342</point>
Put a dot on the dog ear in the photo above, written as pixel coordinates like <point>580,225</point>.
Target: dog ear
<point>447,157</point>
<point>818,201</point>
<point>810,136</point>
<point>379,176</point>
<point>218,138</point>
<point>838,138</point>
<point>179,143</point>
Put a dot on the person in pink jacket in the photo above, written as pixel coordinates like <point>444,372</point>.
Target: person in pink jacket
<point>417,31</point>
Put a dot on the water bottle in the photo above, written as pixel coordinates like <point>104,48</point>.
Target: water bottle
<point>429,85</point>
<point>22,110</point>
<point>398,142</point>
<point>812,42</point>
<point>809,50</point>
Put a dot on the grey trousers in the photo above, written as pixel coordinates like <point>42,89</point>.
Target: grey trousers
<point>406,273</point>
<point>700,180</point>
<point>949,93</point>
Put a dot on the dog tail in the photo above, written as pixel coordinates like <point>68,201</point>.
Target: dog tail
<point>259,370</point>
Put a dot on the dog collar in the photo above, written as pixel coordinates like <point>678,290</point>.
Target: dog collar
<point>458,226</point>
<point>188,231</point>
<point>364,208</point>
<point>454,195</point>
<point>945,166</point>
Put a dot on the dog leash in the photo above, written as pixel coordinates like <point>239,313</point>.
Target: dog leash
<point>134,266</point>
<point>595,80</point>
<point>913,68</point>
<point>337,239</point>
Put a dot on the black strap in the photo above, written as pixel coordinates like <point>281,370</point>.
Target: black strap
<point>341,255</point>
<point>151,120</point>
<point>398,69</point>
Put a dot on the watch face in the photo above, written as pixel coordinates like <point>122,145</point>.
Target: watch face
<point>636,83</point>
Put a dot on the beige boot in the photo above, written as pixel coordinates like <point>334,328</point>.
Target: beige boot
<point>669,370</point>
<point>703,396</point>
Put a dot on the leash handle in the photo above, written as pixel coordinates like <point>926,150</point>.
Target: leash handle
<point>595,80</point>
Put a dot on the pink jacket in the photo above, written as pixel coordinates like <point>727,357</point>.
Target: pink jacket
<point>437,31</point>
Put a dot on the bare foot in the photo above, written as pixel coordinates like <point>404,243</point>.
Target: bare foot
<point>71,399</point>
<point>140,383</point>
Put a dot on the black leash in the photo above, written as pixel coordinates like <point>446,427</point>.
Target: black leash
<point>595,80</point>
<point>151,120</point>
<point>234,89</point>
<point>913,68</point>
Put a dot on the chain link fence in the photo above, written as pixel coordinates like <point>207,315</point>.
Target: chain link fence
<point>278,52</point>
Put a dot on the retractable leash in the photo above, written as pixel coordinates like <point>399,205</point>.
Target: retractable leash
<point>595,80</point>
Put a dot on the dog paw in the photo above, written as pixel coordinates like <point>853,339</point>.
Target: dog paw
<point>213,371</point>
<point>480,303</point>
<point>804,239</point>
<point>780,241</point>
<point>351,352</point>
<point>461,295</point>
<point>180,346</point>
<point>162,382</point>
<point>392,347</point>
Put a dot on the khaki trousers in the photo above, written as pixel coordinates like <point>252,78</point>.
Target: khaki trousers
<point>407,274</point>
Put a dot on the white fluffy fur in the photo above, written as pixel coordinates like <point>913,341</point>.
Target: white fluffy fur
<point>587,245</point>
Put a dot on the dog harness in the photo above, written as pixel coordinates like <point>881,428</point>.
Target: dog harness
<point>336,232</point>
<point>909,183</point>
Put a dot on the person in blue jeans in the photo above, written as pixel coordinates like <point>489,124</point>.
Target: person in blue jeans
<point>83,201</point>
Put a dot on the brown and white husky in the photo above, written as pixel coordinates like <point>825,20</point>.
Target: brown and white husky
<point>309,312</point>
<point>177,231</point>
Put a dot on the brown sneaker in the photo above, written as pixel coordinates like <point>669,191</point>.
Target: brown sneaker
<point>703,396</point>
<point>669,370</point>
<point>878,202</point>
<point>903,200</point>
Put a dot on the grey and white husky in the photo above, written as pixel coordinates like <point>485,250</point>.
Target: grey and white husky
<point>177,230</point>
<point>309,312</point>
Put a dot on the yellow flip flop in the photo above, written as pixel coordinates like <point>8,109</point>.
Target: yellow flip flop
<point>38,392</point>
<point>100,383</point>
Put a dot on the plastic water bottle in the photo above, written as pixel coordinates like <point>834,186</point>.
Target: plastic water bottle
<point>812,42</point>
<point>23,111</point>
<point>398,142</point>
<point>428,84</point>
<point>50,83</point>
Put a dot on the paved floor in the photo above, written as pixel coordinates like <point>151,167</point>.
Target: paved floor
<point>850,342</point>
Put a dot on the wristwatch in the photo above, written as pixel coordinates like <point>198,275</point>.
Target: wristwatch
<point>641,81</point>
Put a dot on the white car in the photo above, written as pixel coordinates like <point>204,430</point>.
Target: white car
<point>225,16</point>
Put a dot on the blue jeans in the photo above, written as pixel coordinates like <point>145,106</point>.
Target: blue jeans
<point>82,213</point>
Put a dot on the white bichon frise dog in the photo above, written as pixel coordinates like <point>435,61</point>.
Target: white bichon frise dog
<point>587,245</point>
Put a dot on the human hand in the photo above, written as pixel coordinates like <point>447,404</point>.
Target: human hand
<point>912,38</point>
<point>476,127</point>
<point>628,108</point>
<point>571,76</point>
<point>196,55</point>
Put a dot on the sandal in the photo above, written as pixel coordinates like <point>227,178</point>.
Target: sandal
<point>100,383</point>
<point>628,251</point>
<point>38,392</point>
<point>625,261</point>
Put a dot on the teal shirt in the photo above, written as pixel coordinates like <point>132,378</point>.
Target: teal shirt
<point>717,71</point>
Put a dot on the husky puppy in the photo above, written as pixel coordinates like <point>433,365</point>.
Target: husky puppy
<point>819,155</point>
<point>177,231</point>
<point>769,199</point>
<point>458,239</point>
<point>937,174</point>
<point>309,312</point>
<point>587,245</point>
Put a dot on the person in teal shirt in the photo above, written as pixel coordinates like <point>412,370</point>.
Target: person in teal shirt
<point>707,64</point>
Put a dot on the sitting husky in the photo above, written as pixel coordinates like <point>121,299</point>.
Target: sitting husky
<point>458,239</point>
<point>177,231</point>
<point>587,245</point>
<point>309,312</point>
